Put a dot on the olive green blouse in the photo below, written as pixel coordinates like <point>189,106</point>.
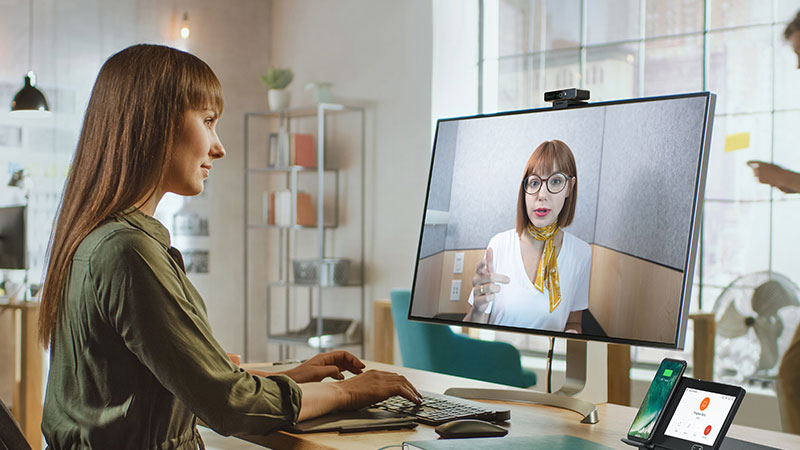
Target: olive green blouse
<point>133,362</point>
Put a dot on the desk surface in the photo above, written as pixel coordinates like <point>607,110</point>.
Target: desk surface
<point>526,420</point>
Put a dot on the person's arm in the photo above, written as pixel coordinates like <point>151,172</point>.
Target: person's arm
<point>581,301</point>
<point>143,298</point>
<point>474,316</point>
<point>776,176</point>
<point>574,323</point>
<point>317,368</point>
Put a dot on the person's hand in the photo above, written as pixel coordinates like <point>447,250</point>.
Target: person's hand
<point>485,283</point>
<point>356,392</point>
<point>770,174</point>
<point>376,385</point>
<point>325,365</point>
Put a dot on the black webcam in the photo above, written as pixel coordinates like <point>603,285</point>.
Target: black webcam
<point>566,97</point>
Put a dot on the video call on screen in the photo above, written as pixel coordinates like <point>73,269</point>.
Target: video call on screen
<point>639,169</point>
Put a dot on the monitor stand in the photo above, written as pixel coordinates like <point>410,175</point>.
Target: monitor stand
<point>563,398</point>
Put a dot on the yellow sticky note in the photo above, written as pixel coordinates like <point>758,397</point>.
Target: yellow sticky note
<point>737,141</point>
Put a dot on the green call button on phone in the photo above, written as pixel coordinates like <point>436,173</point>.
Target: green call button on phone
<point>667,372</point>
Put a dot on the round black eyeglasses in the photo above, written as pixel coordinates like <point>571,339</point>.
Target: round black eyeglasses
<point>555,183</point>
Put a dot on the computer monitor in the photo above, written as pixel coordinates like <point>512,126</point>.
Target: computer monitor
<point>623,265</point>
<point>12,238</point>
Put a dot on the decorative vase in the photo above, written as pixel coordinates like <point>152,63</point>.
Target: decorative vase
<point>278,99</point>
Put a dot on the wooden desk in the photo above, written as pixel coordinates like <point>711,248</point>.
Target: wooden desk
<point>26,362</point>
<point>526,420</point>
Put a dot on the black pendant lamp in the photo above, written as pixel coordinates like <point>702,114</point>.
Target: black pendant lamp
<point>30,101</point>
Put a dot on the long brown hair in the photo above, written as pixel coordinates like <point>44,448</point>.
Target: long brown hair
<point>542,160</point>
<point>134,117</point>
<point>793,27</point>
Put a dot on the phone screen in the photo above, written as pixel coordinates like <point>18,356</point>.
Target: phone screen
<point>668,374</point>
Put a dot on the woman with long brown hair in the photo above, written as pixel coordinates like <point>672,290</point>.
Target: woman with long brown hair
<point>133,362</point>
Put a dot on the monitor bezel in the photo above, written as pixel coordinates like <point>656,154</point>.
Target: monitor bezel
<point>694,231</point>
<point>18,227</point>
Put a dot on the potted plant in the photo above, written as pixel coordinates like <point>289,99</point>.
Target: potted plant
<point>276,81</point>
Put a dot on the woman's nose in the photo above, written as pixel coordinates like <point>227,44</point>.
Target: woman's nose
<point>217,150</point>
<point>542,194</point>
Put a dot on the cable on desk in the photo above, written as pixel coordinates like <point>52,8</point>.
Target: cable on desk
<point>549,370</point>
<point>391,446</point>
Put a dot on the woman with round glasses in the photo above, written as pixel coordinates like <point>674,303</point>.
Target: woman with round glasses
<point>537,275</point>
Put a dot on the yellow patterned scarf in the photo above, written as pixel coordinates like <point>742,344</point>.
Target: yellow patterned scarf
<point>547,272</point>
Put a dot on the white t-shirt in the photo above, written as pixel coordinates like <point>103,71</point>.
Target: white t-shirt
<point>519,303</point>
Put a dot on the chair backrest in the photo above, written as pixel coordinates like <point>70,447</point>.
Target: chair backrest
<point>11,437</point>
<point>436,348</point>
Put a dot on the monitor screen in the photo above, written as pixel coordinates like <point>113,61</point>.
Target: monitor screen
<point>12,238</point>
<point>580,222</point>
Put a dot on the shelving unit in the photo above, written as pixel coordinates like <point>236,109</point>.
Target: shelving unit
<point>322,332</point>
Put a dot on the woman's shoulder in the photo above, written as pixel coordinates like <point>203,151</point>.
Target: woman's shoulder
<point>113,241</point>
<point>577,245</point>
<point>503,238</point>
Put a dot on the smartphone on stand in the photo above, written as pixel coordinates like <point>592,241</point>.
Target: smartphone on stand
<point>655,401</point>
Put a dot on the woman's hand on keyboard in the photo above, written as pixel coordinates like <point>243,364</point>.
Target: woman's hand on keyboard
<point>373,386</point>
<point>324,365</point>
<point>355,392</point>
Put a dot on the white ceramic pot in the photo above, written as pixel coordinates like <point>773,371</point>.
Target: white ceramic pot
<point>278,99</point>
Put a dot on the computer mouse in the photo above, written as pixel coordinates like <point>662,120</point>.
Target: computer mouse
<point>469,428</point>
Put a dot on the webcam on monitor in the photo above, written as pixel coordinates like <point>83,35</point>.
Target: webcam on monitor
<point>566,97</point>
<point>566,94</point>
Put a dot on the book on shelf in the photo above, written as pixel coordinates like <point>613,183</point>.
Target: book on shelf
<point>301,150</point>
<point>278,207</point>
<point>305,210</point>
<point>272,150</point>
<point>282,159</point>
<point>268,207</point>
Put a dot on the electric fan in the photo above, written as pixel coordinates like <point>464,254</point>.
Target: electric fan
<point>756,316</point>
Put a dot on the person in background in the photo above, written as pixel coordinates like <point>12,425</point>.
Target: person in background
<point>788,382</point>
<point>133,361</point>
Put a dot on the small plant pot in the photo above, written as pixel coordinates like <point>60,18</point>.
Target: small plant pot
<point>278,99</point>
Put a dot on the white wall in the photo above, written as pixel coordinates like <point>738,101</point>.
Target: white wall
<point>377,54</point>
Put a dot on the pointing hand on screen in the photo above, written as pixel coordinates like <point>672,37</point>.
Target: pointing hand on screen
<point>485,283</point>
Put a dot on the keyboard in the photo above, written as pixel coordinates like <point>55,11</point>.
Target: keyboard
<point>437,409</point>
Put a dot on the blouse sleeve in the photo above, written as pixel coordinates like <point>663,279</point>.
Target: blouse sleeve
<point>143,298</point>
<point>581,300</point>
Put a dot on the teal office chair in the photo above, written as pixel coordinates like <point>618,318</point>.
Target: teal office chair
<point>436,348</point>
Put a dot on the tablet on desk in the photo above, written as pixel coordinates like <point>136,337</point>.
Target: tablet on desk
<point>699,415</point>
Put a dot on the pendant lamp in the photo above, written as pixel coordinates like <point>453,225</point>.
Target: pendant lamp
<point>30,101</point>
